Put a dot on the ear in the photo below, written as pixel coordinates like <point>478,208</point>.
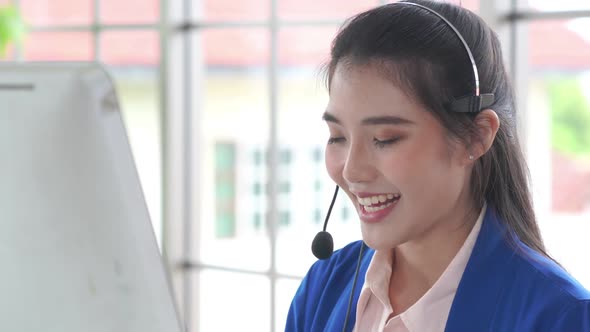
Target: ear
<point>487,123</point>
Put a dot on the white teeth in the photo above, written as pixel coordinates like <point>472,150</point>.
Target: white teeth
<point>377,208</point>
<point>368,201</point>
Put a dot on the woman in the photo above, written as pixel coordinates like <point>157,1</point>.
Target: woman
<point>436,173</point>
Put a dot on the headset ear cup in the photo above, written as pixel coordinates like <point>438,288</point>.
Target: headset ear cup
<point>322,245</point>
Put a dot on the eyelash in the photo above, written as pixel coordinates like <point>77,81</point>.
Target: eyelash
<point>334,140</point>
<point>385,143</point>
<point>378,143</point>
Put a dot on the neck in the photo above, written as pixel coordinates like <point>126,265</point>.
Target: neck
<point>420,263</point>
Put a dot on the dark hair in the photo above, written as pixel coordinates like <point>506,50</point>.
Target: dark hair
<point>424,57</point>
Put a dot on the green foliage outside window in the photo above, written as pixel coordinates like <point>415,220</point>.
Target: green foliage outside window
<point>570,116</point>
<point>12,28</point>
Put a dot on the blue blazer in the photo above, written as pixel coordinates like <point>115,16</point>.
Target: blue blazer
<point>506,286</point>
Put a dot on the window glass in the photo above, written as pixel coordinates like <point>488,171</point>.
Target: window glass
<point>129,11</point>
<point>552,6</point>
<point>234,116</point>
<point>138,47</point>
<point>245,10</point>
<point>558,117</point>
<point>231,301</point>
<point>56,12</point>
<point>322,10</point>
<point>58,46</point>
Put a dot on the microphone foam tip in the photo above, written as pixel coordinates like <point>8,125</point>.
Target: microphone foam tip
<point>322,245</point>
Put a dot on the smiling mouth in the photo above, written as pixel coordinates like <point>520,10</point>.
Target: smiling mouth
<point>377,202</point>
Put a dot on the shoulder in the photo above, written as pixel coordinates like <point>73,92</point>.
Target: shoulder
<point>500,252</point>
<point>558,301</point>
<point>322,296</point>
<point>574,317</point>
<point>515,287</point>
<point>548,275</point>
<point>341,265</point>
<point>552,298</point>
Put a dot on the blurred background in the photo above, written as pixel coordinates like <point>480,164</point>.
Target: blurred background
<point>223,101</point>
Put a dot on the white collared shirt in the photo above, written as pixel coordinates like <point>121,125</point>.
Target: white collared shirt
<point>430,312</point>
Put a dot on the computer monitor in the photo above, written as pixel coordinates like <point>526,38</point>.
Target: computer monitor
<point>77,250</point>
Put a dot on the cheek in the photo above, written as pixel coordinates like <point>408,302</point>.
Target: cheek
<point>402,164</point>
<point>334,164</point>
<point>433,175</point>
<point>417,167</point>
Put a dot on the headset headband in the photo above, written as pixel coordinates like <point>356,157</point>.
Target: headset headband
<point>467,104</point>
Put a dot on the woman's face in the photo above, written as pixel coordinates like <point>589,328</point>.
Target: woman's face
<point>393,159</point>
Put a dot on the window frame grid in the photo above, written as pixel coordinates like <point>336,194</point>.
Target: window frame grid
<point>184,266</point>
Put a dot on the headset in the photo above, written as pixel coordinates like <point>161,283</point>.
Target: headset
<point>323,244</point>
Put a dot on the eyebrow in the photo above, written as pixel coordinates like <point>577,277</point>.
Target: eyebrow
<point>375,120</point>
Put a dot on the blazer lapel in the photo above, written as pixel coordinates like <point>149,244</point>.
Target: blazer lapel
<point>482,282</point>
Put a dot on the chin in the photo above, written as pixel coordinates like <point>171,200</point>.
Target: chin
<point>377,239</point>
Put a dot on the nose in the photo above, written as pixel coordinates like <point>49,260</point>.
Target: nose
<point>358,167</point>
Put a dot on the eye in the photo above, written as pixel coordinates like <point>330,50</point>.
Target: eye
<point>385,143</point>
<point>334,140</point>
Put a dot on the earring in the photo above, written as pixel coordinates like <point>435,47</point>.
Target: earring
<point>471,157</point>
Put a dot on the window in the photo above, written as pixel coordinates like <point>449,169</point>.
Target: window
<point>553,6</point>
<point>556,67</point>
<point>82,30</point>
